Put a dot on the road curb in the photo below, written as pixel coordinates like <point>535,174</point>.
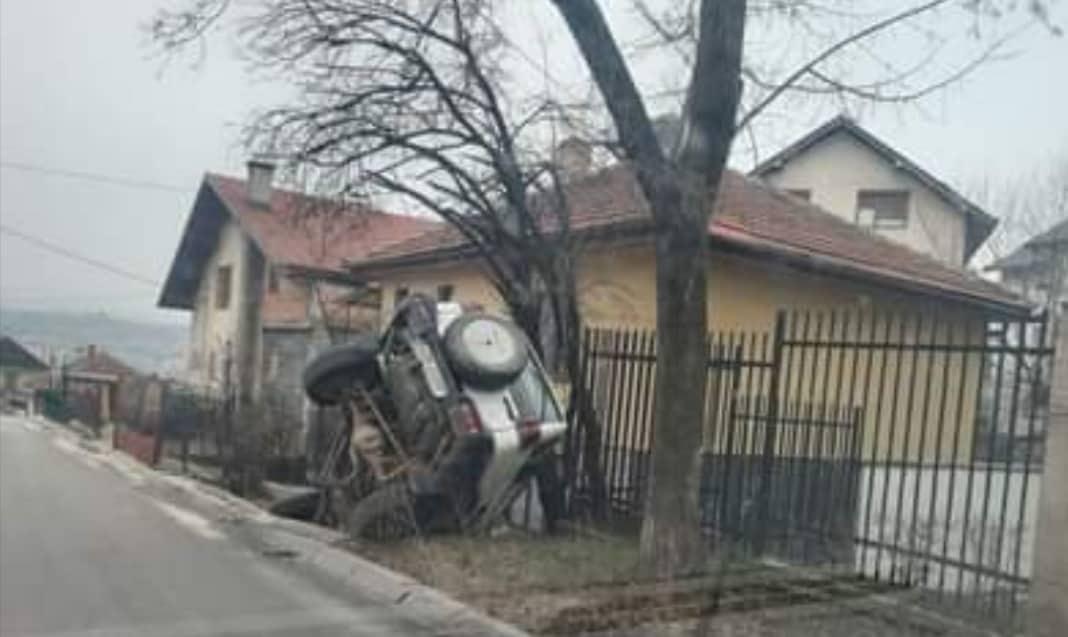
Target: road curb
<point>319,546</point>
<point>373,580</point>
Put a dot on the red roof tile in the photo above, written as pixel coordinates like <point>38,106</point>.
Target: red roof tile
<point>313,232</point>
<point>296,230</point>
<point>749,214</point>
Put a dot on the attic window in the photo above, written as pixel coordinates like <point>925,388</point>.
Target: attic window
<point>883,208</point>
<point>801,193</point>
<point>222,287</point>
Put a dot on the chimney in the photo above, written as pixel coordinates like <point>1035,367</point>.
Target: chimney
<point>260,182</point>
<point>573,157</point>
<point>90,356</point>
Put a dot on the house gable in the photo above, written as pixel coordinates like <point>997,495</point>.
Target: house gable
<point>14,356</point>
<point>198,242</point>
<point>839,160</point>
<point>215,324</point>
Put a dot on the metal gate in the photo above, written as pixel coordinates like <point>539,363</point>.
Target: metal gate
<point>906,448</point>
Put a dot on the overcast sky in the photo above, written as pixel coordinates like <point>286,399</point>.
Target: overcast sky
<point>80,92</point>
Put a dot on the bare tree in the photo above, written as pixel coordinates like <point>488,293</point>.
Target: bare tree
<point>409,102</point>
<point>1029,208</point>
<point>681,185</point>
<point>413,99</point>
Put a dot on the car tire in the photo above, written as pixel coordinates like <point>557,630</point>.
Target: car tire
<point>485,351</point>
<point>334,370</point>
<point>385,513</point>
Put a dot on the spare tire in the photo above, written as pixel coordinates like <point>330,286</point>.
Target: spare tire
<point>338,368</point>
<point>484,350</point>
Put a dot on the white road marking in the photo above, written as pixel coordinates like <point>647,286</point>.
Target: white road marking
<point>233,504</point>
<point>190,520</point>
<point>128,469</point>
<point>71,448</point>
<point>65,445</point>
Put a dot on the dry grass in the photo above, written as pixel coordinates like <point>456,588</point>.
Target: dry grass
<point>581,584</point>
<point>521,579</point>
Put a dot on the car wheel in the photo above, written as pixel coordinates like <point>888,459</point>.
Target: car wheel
<point>484,350</point>
<point>384,514</point>
<point>335,370</point>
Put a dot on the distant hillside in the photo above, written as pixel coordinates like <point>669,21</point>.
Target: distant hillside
<point>149,347</point>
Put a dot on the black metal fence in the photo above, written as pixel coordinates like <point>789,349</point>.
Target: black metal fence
<point>906,448</point>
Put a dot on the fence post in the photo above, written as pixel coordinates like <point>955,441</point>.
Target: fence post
<point>1048,614</point>
<point>157,446</point>
<point>768,452</point>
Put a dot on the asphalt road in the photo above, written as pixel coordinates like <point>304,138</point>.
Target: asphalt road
<point>87,551</point>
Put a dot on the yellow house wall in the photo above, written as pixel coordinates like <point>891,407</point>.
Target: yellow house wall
<point>471,286</point>
<point>617,289</point>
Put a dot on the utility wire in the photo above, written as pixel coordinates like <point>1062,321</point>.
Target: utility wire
<point>89,176</point>
<point>60,250</point>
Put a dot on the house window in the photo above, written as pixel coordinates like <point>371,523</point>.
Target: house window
<point>446,291</point>
<point>222,287</point>
<point>883,208</point>
<point>800,193</point>
<point>272,279</point>
<point>399,295</point>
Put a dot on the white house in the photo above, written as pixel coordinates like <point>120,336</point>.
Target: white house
<point>846,170</point>
<point>260,270</point>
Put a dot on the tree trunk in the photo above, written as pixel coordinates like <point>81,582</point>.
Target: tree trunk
<point>671,542</point>
<point>681,191</point>
<point>580,411</point>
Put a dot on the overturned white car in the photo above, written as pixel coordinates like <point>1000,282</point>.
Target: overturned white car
<point>446,414</point>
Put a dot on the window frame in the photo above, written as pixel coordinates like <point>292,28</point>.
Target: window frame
<point>272,280</point>
<point>224,275</point>
<point>884,223</point>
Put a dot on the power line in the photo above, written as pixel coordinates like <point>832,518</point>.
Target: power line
<point>60,250</point>
<point>90,176</point>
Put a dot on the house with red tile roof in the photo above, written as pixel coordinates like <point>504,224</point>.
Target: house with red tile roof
<point>767,250</point>
<point>259,269</point>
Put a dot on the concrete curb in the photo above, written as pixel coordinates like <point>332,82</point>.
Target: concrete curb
<point>426,604</point>
<point>319,546</point>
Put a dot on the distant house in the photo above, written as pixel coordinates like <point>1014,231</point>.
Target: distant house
<point>848,171</point>
<point>1038,269</point>
<point>93,385</point>
<point>259,269</point>
<point>20,374</point>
